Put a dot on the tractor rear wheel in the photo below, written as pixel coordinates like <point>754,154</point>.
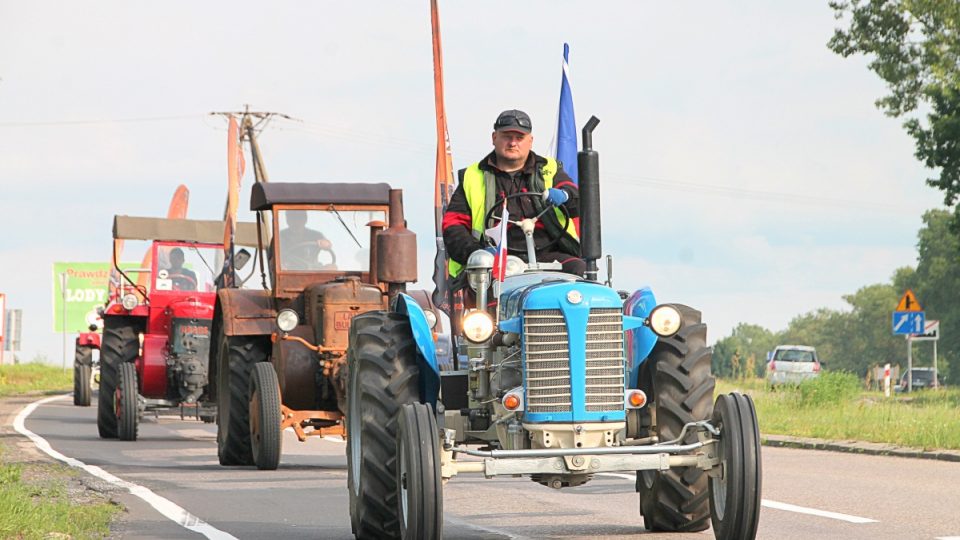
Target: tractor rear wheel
<point>121,344</point>
<point>676,499</point>
<point>419,489</point>
<point>82,368</point>
<point>266,439</point>
<point>238,355</point>
<point>383,376</point>
<point>128,416</point>
<point>735,491</point>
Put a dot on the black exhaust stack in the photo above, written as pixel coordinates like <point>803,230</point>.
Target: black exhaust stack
<point>588,167</point>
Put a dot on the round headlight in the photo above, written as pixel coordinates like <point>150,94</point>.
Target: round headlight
<point>129,301</point>
<point>477,326</point>
<point>665,320</point>
<point>287,320</point>
<point>431,318</point>
<point>515,265</point>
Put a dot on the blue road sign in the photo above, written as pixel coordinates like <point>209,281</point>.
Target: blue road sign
<point>908,322</point>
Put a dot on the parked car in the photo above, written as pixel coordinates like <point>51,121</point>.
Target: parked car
<point>792,364</point>
<point>922,379</point>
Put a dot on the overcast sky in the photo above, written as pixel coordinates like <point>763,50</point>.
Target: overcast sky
<point>744,168</point>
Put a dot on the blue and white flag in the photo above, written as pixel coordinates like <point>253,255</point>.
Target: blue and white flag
<point>565,149</point>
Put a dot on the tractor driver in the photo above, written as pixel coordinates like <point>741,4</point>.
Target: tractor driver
<point>183,278</point>
<point>513,168</point>
<point>299,245</point>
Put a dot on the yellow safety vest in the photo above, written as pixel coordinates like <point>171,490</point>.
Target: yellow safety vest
<point>480,199</point>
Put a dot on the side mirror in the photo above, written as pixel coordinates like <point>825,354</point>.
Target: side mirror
<point>769,355</point>
<point>241,258</point>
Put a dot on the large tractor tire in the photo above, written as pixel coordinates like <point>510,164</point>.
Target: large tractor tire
<point>128,417</point>
<point>121,344</point>
<point>266,439</point>
<point>383,376</point>
<point>735,494</point>
<point>419,486</point>
<point>82,370</point>
<point>238,355</point>
<point>677,499</point>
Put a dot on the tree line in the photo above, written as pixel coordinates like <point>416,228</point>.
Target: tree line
<point>860,336</point>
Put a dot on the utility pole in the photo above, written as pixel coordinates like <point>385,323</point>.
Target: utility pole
<point>252,123</point>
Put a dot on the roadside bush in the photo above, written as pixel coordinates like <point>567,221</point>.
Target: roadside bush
<point>831,387</point>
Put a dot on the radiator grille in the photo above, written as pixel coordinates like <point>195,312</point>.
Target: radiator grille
<point>548,362</point>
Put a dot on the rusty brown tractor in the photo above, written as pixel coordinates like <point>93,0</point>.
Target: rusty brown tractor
<point>279,354</point>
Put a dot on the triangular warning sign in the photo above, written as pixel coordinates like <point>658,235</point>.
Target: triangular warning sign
<point>909,302</point>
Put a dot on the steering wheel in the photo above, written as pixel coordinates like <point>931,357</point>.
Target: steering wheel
<point>491,220</point>
<point>179,280</point>
<point>306,256</point>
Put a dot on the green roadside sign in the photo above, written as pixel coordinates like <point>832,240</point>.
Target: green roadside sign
<point>85,289</point>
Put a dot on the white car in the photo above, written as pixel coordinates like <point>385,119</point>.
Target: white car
<point>792,364</point>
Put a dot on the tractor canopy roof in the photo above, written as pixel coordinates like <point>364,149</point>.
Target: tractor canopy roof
<point>265,195</point>
<point>181,230</point>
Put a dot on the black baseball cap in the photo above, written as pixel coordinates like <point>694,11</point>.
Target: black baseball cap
<point>513,120</point>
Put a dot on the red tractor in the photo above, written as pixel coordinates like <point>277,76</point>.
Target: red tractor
<point>156,331</point>
<point>83,365</point>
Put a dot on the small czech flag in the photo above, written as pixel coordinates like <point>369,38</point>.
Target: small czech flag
<point>500,258</point>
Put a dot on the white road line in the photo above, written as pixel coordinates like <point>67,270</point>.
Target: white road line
<point>815,512</point>
<point>630,477</point>
<point>166,507</point>
<point>788,507</point>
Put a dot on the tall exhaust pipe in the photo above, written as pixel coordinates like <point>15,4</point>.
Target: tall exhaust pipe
<point>588,166</point>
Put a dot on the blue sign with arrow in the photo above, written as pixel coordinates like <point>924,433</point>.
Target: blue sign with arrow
<point>908,322</point>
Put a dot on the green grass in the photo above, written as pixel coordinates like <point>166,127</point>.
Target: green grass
<point>834,407</point>
<point>34,377</point>
<point>35,503</point>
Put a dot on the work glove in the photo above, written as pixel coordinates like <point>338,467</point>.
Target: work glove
<point>555,196</point>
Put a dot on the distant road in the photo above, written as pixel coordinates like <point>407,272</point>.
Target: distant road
<point>807,494</point>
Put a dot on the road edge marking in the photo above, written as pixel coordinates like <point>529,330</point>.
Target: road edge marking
<point>815,512</point>
<point>165,506</point>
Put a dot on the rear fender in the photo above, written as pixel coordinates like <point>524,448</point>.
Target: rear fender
<point>640,341</point>
<point>426,349</point>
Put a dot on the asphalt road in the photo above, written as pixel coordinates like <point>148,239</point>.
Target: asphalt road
<point>807,494</point>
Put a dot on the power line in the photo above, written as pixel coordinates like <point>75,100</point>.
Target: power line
<point>102,121</point>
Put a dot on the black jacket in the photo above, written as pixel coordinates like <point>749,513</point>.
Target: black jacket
<point>457,221</point>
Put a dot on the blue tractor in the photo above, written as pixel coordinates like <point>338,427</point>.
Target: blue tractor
<point>565,378</point>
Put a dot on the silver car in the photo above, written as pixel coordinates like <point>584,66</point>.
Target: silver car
<point>792,364</point>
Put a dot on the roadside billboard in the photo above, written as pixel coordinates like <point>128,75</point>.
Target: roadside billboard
<point>84,289</point>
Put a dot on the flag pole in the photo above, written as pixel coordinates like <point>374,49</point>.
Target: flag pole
<point>443,182</point>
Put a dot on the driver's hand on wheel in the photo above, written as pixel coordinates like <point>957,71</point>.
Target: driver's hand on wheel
<point>555,196</point>
<point>324,244</point>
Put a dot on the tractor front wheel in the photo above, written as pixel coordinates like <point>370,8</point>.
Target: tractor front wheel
<point>676,499</point>
<point>238,355</point>
<point>126,402</point>
<point>383,376</point>
<point>121,344</point>
<point>735,487</point>
<point>82,368</point>
<point>266,439</point>
<point>419,489</point>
